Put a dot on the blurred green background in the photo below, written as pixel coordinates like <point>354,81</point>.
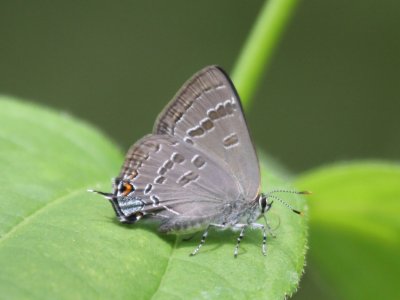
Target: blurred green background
<point>331,92</point>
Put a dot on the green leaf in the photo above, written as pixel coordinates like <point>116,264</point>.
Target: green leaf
<point>354,231</point>
<point>59,242</point>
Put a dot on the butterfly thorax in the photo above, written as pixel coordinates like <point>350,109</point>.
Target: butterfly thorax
<point>240,211</point>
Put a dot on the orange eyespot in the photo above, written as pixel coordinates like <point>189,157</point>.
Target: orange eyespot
<point>125,188</point>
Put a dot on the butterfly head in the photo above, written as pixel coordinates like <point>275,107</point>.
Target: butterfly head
<point>126,205</point>
<point>263,203</point>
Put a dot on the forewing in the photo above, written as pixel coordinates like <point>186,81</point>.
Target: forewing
<point>175,180</point>
<point>207,114</point>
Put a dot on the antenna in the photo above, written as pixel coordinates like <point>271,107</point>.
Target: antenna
<point>290,192</point>
<point>109,196</point>
<point>271,195</point>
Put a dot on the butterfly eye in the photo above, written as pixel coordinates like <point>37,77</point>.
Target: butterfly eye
<point>262,203</point>
<point>125,188</point>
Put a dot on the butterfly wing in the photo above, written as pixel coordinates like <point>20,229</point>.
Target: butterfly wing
<point>207,114</point>
<point>176,182</point>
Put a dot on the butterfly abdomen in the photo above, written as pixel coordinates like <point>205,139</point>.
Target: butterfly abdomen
<point>184,226</point>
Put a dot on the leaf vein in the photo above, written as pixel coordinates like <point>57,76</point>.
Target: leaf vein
<point>38,211</point>
<point>166,268</point>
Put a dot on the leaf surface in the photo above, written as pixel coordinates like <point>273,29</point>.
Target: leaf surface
<point>354,231</point>
<point>58,241</point>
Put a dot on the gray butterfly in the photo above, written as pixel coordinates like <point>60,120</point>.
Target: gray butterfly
<point>198,168</point>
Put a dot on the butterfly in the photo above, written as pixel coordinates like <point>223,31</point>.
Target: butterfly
<point>198,168</point>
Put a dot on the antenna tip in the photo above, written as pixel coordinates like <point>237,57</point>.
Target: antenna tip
<point>91,191</point>
<point>298,212</point>
<point>305,193</point>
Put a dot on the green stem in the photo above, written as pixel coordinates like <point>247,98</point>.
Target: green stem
<point>257,51</point>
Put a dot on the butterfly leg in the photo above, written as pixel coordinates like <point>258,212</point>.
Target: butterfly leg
<point>264,242</point>
<point>270,231</point>
<point>240,237</point>
<point>204,236</point>
<point>203,239</point>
